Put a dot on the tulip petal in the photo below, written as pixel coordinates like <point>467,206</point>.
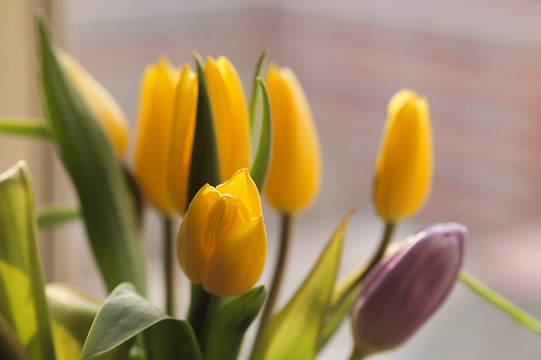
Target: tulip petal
<point>238,261</point>
<point>242,187</point>
<point>155,123</point>
<point>230,115</point>
<point>183,129</point>
<point>192,254</point>
<point>295,171</point>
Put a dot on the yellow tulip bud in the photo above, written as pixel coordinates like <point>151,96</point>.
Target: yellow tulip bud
<point>101,103</point>
<point>222,242</point>
<point>295,171</point>
<point>230,115</point>
<point>154,138</point>
<point>404,165</point>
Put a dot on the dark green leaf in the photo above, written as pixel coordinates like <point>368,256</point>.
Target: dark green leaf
<point>205,165</point>
<point>229,323</point>
<point>125,315</point>
<point>261,164</point>
<point>22,298</point>
<point>501,303</point>
<point>106,204</point>
<point>54,215</point>
<point>294,333</point>
<point>24,127</point>
<point>255,92</point>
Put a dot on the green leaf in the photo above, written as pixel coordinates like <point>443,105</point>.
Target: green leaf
<point>22,298</point>
<point>106,203</point>
<point>261,164</point>
<point>255,92</point>
<point>51,216</point>
<point>10,346</point>
<point>501,303</point>
<point>229,323</point>
<point>205,165</point>
<point>125,315</point>
<point>24,127</point>
<point>295,332</point>
<point>343,297</point>
<point>72,312</point>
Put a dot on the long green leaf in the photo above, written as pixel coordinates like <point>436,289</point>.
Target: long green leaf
<point>72,312</point>
<point>261,164</point>
<point>106,204</point>
<point>229,324</point>
<point>294,333</point>
<point>22,298</point>
<point>125,315</point>
<point>205,165</point>
<point>501,303</point>
<point>51,216</point>
<point>24,127</point>
<point>254,96</point>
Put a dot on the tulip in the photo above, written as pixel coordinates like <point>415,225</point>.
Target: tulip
<point>222,242</point>
<point>166,127</point>
<point>295,171</point>
<point>101,103</point>
<point>230,115</point>
<point>404,165</point>
<point>405,288</point>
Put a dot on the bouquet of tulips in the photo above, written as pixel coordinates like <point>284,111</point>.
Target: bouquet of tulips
<point>193,160</point>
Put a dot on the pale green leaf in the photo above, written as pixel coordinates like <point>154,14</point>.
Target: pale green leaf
<point>295,332</point>
<point>24,127</point>
<point>254,96</point>
<point>501,303</point>
<point>51,216</point>
<point>261,164</point>
<point>125,315</point>
<point>106,203</point>
<point>22,298</point>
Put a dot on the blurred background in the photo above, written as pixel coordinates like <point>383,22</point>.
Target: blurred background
<point>478,62</point>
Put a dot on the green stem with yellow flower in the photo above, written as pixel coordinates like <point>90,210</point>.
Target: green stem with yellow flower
<point>285,240</point>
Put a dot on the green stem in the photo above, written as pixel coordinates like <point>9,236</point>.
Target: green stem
<point>285,240</point>
<point>199,310</point>
<point>355,355</point>
<point>378,255</point>
<point>169,266</point>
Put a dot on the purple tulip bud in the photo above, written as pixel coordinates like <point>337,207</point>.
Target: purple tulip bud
<point>405,288</point>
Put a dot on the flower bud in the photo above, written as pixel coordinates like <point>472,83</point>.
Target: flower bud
<point>405,288</point>
<point>295,171</point>
<point>222,242</point>
<point>101,103</point>
<point>403,173</point>
<point>230,115</point>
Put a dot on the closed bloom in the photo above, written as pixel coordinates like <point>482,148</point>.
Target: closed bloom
<point>230,115</point>
<point>222,242</point>
<point>166,126</point>
<point>405,288</point>
<point>404,165</point>
<point>100,102</point>
<point>295,171</point>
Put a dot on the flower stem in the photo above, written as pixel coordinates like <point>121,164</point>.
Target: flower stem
<point>355,355</point>
<point>378,255</point>
<point>199,310</point>
<point>169,266</point>
<point>285,237</point>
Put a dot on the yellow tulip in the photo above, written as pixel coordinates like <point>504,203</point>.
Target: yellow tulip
<point>182,138</point>
<point>222,242</point>
<point>101,103</point>
<point>295,171</point>
<point>166,127</point>
<point>230,115</point>
<point>404,165</point>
